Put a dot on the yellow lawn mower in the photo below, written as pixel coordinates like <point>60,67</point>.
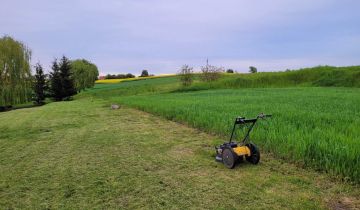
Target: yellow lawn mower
<point>231,152</point>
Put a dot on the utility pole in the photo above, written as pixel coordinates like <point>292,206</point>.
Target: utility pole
<point>207,64</point>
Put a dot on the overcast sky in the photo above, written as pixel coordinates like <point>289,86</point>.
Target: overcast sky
<point>122,36</point>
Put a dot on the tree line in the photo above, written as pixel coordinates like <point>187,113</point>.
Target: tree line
<point>144,73</point>
<point>18,85</point>
<point>119,76</point>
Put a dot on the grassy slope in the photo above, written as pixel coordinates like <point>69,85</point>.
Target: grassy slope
<point>146,86</point>
<point>321,76</point>
<point>81,155</point>
<point>317,127</point>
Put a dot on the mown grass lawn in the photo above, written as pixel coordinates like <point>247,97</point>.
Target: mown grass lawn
<point>82,155</point>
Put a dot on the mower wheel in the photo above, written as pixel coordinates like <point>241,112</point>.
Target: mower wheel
<point>229,158</point>
<point>254,158</point>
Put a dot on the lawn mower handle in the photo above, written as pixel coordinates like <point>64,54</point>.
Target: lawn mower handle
<point>262,115</point>
<point>242,120</point>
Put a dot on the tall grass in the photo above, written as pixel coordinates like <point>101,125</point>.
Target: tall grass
<point>321,76</point>
<point>318,127</point>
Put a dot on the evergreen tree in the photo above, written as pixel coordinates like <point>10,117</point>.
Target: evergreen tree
<point>39,85</point>
<point>55,82</point>
<point>47,89</point>
<point>67,82</point>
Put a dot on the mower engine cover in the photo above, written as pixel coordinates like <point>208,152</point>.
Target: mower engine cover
<point>238,150</point>
<point>242,150</point>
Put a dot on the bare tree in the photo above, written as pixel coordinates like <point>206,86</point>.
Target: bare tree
<point>186,75</point>
<point>211,73</point>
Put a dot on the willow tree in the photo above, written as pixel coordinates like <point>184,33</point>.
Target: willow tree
<point>15,72</point>
<point>84,73</point>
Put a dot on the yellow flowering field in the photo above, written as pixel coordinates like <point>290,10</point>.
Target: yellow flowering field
<point>112,81</point>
